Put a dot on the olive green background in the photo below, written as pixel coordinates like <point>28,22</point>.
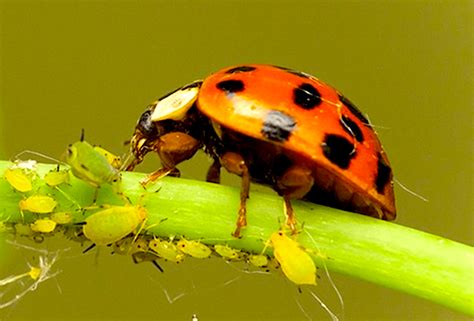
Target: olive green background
<point>67,65</point>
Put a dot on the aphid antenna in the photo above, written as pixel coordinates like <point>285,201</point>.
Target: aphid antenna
<point>409,191</point>
<point>324,306</point>
<point>226,283</point>
<point>330,279</point>
<point>298,303</point>
<point>168,297</point>
<point>31,152</point>
<point>69,198</point>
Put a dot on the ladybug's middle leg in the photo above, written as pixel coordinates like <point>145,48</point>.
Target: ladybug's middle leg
<point>295,183</point>
<point>214,172</point>
<point>172,148</point>
<point>234,163</point>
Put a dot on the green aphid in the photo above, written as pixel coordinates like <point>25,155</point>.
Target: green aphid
<point>43,225</point>
<point>56,177</point>
<point>114,223</point>
<point>227,252</point>
<point>258,260</point>
<point>194,248</point>
<point>90,165</point>
<point>166,250</point>
<point>61,217</point>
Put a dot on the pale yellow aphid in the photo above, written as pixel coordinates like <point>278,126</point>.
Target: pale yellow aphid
<point>295,262</point>
<point>44,225</point>
<point>3,227</point>
<point>34,272</point>
<point>114,223</point>
<point>23,229</point>
<point>194,248</point>
<point>113,160</point>
<point>139,245</point>
<point>227,252</point>
<point>123,246</point>
<point>19,179</point>
<point>57,177</point>
<point>61,217</point>
<point>166,250</point>
<point>41,204</point>
<point>258,260</point>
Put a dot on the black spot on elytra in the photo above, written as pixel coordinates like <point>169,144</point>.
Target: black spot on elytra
<point>384,174</point>
<point>351,128</point>
<point>295,72</point>
<point>231,86</point>
<point>145,125</point>
<point>306,96</point>
<point>278,126</point>
<point>240,69</point>
<point>338,150</point>
<point>354,110</point>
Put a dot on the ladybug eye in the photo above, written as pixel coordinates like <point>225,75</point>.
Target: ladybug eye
<point>145,125</point>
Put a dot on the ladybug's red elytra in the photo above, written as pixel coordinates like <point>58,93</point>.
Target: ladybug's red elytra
<point>273,126</point>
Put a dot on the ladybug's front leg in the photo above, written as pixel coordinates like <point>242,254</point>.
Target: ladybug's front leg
<point>234,163</point>
<point>295,183</point>
<point>173,148</point>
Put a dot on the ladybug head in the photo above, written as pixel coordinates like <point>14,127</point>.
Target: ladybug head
<point>168,114</point>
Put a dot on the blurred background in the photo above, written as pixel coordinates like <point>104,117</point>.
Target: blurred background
<point>68,65</point>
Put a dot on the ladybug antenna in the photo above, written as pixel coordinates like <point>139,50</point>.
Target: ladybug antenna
<point>82,134</point>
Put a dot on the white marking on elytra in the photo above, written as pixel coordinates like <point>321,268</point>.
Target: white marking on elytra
<point>176,105</point>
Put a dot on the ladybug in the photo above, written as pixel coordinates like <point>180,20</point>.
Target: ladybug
<point>274,126</point>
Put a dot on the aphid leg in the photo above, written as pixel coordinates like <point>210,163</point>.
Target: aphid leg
<point>235,164</point>
<point>296,182</point>
<point>214,172</point>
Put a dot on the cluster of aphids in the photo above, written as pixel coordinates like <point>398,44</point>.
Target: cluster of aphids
<point>152,249</point>
<point>122,227</point>
<point>288,254</point>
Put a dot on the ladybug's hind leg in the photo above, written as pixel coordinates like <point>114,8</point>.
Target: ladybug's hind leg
<point>295,183</point>
<point>234,163</point>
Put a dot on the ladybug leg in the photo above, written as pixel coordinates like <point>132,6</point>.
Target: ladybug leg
<point>235,164</point>
<point>173,148</point>
<point>214,172</point>
<point>296,182</point>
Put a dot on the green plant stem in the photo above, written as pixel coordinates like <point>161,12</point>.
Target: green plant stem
<point>384,253</point>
